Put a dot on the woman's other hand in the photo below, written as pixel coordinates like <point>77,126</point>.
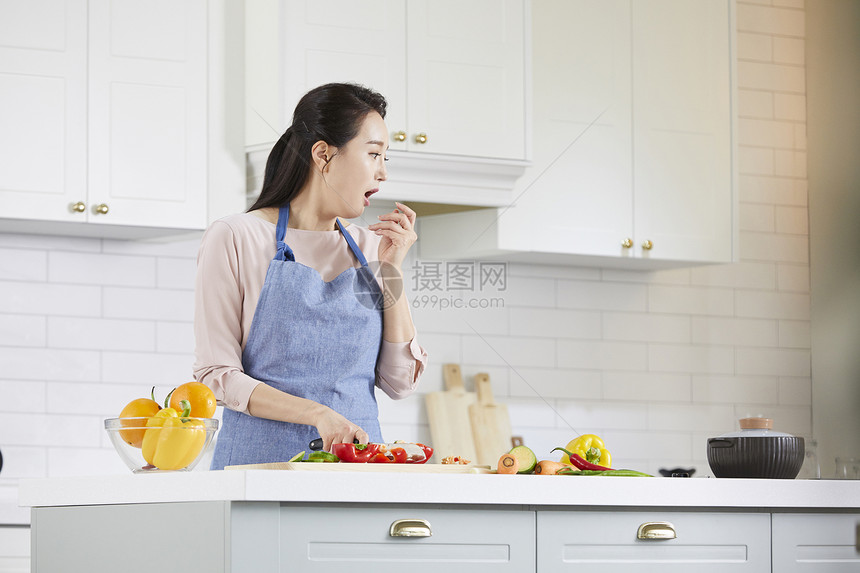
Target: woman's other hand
<point>397,229</point>
<point>335,429</point>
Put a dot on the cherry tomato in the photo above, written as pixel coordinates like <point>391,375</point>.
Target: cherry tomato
<point>139,408</point>
<point>199,395</point>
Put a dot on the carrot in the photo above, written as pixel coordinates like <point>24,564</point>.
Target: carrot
<point>508,464</point>
<point>549,467</point>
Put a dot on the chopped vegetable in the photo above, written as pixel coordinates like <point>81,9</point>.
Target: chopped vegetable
<point>298,457</point>
<point>455,460</point>
<point>508,464</point>
<point>525,458</point>
<point>591,448</point>
<point>576,460</point>
<point>619,473</point>
<point>549,467</point>
<point>355,453</point>
<point>172,441</point>
<point>321,456</point>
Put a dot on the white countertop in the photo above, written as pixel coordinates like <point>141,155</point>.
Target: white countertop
<point>474,489</point>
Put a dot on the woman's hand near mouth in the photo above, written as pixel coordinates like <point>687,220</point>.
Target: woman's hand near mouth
<point>398,234</point>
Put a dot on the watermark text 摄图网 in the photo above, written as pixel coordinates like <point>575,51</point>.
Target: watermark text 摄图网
<point>444,302</point>
<point>444,285</point>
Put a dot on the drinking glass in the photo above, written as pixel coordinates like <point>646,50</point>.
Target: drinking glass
<point>847,468</point>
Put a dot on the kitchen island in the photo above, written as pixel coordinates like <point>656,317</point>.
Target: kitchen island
<point>269,520</point>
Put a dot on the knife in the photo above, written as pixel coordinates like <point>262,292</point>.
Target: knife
<point>414,451</point>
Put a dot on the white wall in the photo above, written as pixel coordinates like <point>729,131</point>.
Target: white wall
<point>654,362</point>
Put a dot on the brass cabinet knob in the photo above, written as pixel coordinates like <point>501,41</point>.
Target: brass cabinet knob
<point>78,207</point>
<point>647,245</point>
<point>101,209</point>
<point>656,530</point>
<point>627,243</point>
<point>410,528</point>
<point>421,138</point>
<point>400,136</point>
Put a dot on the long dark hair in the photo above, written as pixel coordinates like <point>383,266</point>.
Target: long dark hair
<point>332,113</point>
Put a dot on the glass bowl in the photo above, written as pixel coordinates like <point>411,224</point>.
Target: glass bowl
<point>175,448</point>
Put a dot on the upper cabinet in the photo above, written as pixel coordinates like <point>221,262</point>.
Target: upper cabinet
<point>634,138</point>
<point>121,116</point>
<point>454,75</point>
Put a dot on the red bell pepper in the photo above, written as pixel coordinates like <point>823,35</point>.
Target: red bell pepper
<point>355,453</point>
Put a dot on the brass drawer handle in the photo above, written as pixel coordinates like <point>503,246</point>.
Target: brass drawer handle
<point>656,530</point>
<point>410,528</point>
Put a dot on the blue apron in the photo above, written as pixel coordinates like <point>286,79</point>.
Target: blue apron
<point>309,338</point>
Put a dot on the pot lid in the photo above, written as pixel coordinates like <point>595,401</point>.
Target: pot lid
<point>755,428</point>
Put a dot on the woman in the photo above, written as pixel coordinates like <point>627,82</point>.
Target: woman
<point>293,330</point>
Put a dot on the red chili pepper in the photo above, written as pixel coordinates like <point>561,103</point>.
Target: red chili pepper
<point>580,462</point>
<point>400,455</point>
<point>355,453</point>
<point>380,458</point>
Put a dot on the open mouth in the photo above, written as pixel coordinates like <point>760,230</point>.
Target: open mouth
<point>367,196</point>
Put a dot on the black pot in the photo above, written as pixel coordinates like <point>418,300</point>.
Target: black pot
<point>776,457</point>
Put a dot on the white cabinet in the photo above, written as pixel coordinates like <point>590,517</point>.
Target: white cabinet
<point>455,75</point>
<point>615,541</point>
<point>453,71</point>
<point>633,132</point>
<point>816,543</point>
<point>121,115</point>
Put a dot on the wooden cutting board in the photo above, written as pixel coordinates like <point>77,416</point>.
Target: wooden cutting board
<point>491,425</point>
<point>380,468</point>
<point>448,415</point>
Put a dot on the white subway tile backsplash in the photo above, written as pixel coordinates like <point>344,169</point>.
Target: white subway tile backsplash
<point>50,242</point>
<point>101,269</point>
<point>736,275</point>
<point>777,362</point>
<point>679,276</point>
<point>175,273</point>
<point>789,51</point>
<point>790,3</point>
<point>555,323</point>
<point>100,333</point>
<point>48,364</point>
<point>756,217</point>
<point>596,417</point>
<point>735,331</point>
<point>513,351</point>
<point>690,359</point>
<point>755,103</point>
<point>22,330</point>
<point>24,461</point>
<point>552,272</point>
<point>800,136</point>
<point>22,395</point>
<point>428,313</point>
<point>143,368</point>
<point>23,265</point>
<point>793,278</point>
<point>794,334</point>
<point>50,299</point>
<point>776,21</point>
<point>602,295</point>
<point>789,163</point>
<point>755,161</point>
<point>777,248</point>
<point>795,391</point>
<point>84,461</point>
<point>771,190</point>
<point>690,417</point>
<point>646,327</point>
<point>640,445</point>
<point>760,304</point>
<point>602,355</point>
<point>525,291</point>
<point>771,77</point>
<point>754,46</point>
<point>174,337</point>
<point>533,413</point>
<point>790,107</point>
<point>50,430</point>
<point>148,304</point>
<point>184,245</point>
<point>732,389</point>
<point>765,133</point>
<point>101,399</point>
<point>690,300</point>
<point>646,386</point>
<point>792,220</point>
<point>550,383</point>
<point>795,420</point>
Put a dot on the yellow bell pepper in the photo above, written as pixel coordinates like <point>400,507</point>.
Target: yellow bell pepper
<point>591,448</point>
<point>172,441</point>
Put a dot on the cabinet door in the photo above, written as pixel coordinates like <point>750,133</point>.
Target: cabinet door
<point>816,543</point>
<point>608,542</point>
<point>466,77</point>
<point>359,41</point>
<point>43,108</point>
<point>576,198</point>
<point>336,539</point>
<point>148,112</point>
<point>682,126</point>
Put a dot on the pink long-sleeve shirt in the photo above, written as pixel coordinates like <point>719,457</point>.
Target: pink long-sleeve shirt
<point>232,262</point>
